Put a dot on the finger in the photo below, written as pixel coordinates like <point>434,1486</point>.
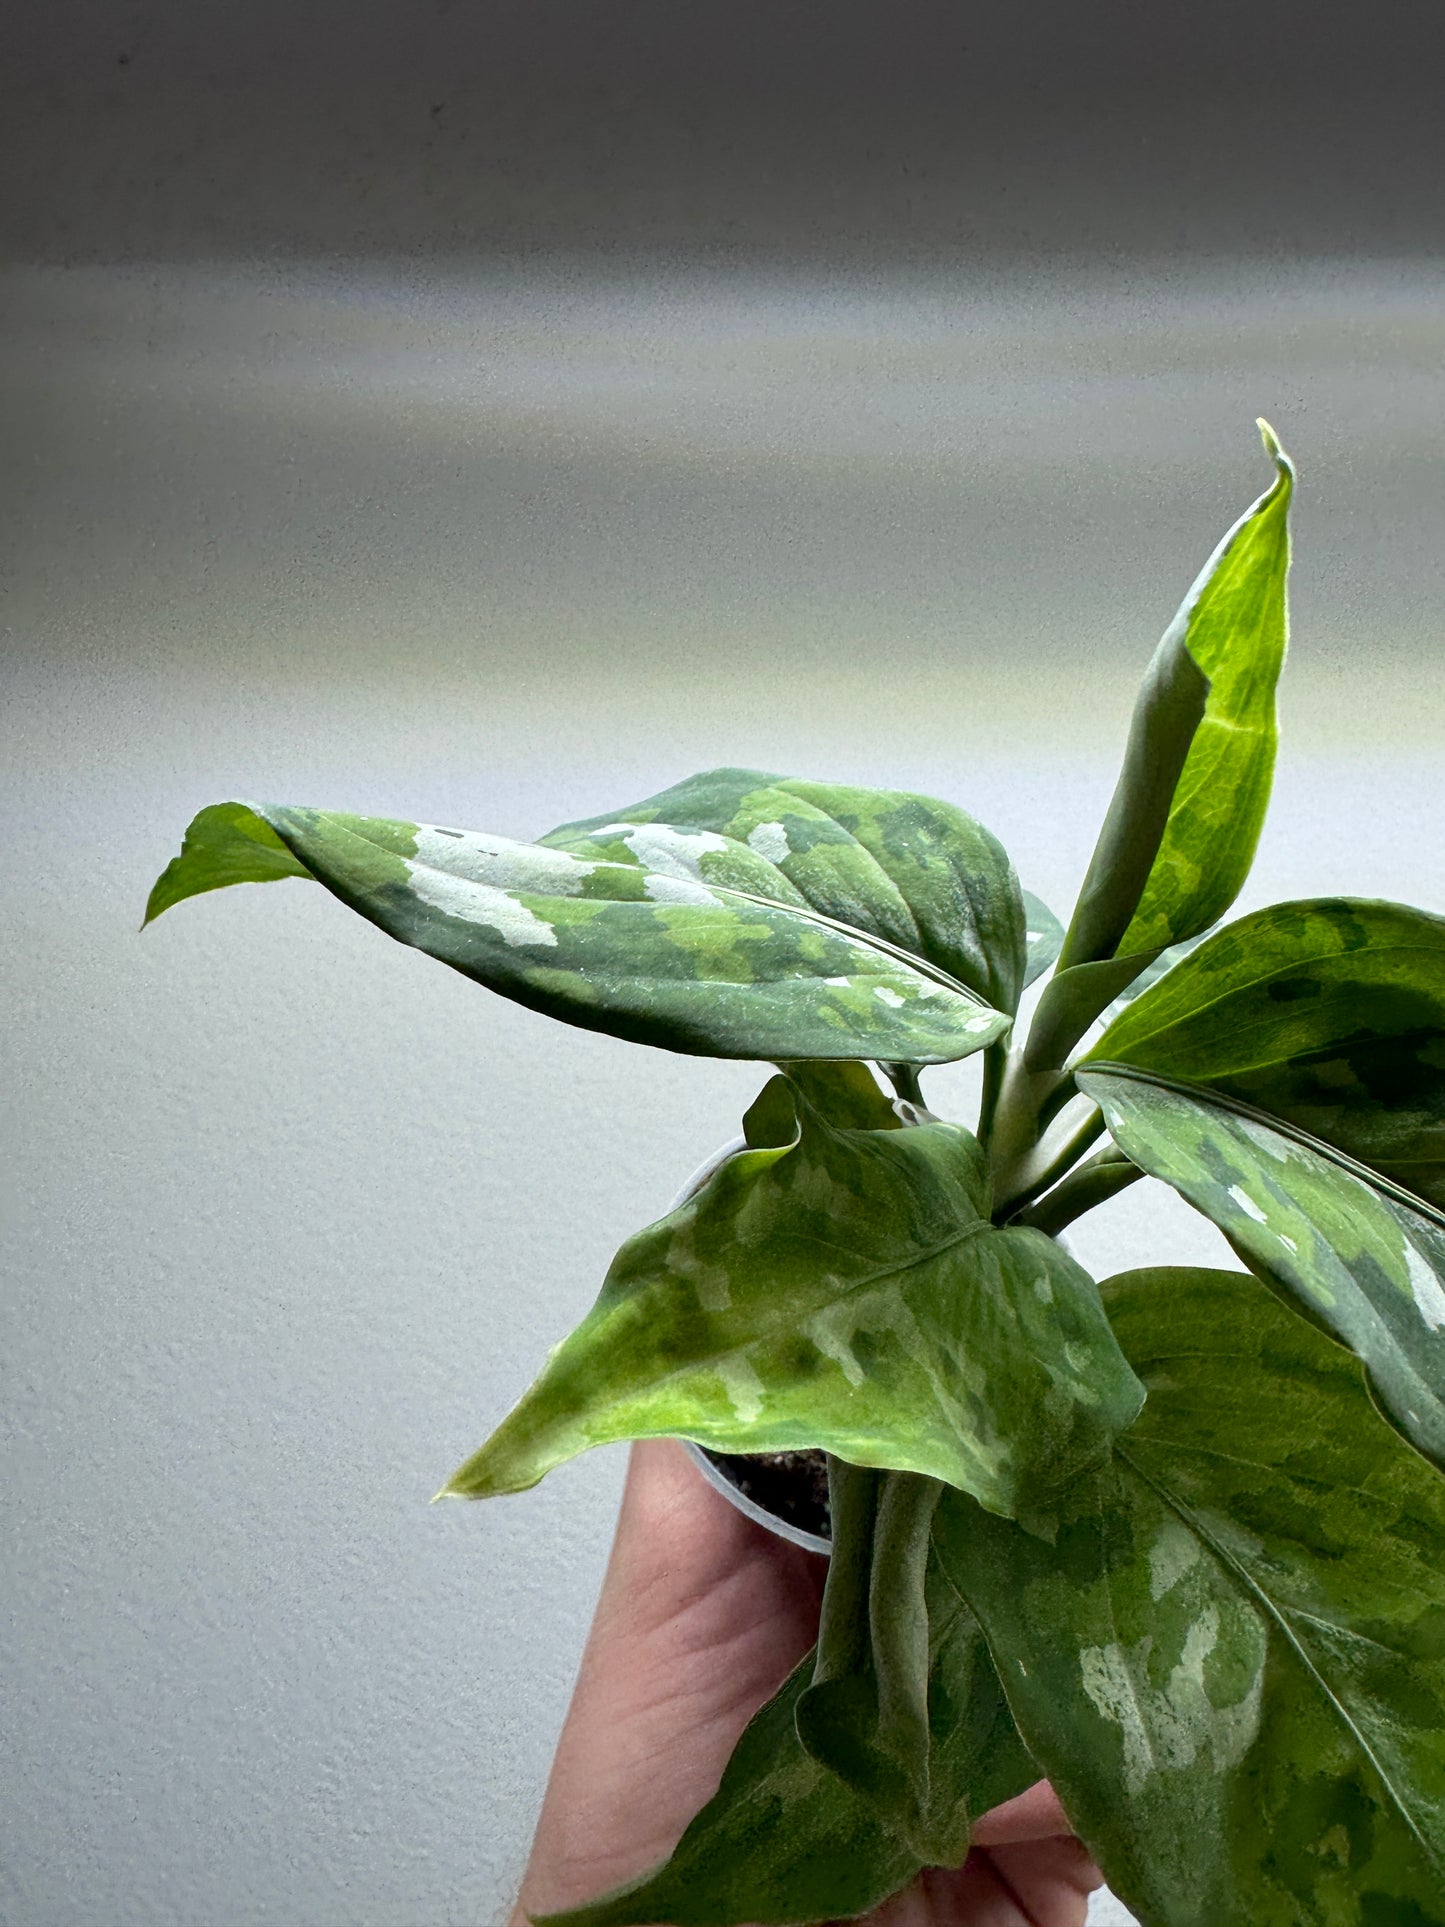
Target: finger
<point>1033,1815</point>
<point>1051,1879</point>
<point>976,1896</point>
<point>702,1615</point>
<point>680,1546</point>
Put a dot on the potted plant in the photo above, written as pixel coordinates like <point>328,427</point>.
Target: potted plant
<point>1175,1540</point>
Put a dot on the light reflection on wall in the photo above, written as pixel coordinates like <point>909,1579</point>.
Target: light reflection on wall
<point>650,482</point>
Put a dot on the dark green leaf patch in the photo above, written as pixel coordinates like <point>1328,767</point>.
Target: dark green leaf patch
<point>1329,1014</point>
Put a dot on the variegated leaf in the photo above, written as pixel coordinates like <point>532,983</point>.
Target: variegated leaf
<point>1185,818</point>
<point>785,1840</point>
<point>1231,1662</point>
<point>649,955</point>
<point>1330,1015</point>
<point>842,1289</point>
<point>1358,1260</point>
<point>919,874</point>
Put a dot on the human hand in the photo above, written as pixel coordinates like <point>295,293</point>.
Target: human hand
<point>702,1616</point>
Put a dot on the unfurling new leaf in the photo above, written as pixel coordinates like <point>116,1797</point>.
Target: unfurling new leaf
<point>865,1714</point>
<point>1181,831</point>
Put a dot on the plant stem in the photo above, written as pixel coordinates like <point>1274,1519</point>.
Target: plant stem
<point>1015,1125</point>
<point>1058,1145</point>
<point>904,1079</point>
<point>995,1059</point>
<point>1105,1174</point>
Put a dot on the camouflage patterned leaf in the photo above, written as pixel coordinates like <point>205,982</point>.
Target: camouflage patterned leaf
<point>1358,1261</point>
<point>1231,1663</point>
<point>782,1840</point>
<point>918,873</point>
<point>785,1840</point>
<point>652,956</point>
<point>1328,1014</point>
<point>1185,818</point>
<point>842,1289</point>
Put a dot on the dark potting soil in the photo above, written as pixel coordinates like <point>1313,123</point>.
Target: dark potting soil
<point>791,1485</point>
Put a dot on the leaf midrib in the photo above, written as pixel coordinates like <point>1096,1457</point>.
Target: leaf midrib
<point>920,965</point>
<point>924,966</point>
<point>1280,1618</point>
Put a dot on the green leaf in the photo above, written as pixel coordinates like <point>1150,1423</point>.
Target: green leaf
<point>1328,1014</point>
<point>1149,976</point>
<point>1185,819</point>
<point>784,1840</point>
<point>1357,1260</point>
<point>1181,831</point>
<point>865,1715</point>
<point>841,1289</point>
<point>1043,937</point>
<point>652,956</point>
<point>977,1758</point>
<point>1231,1664</point>
<point>227,843</point>
<point>919,874</point>
<point>847,1094</point>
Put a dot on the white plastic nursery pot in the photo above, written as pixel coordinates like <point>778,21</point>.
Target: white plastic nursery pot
<point>745,1480</point>
<point>733,1475</point>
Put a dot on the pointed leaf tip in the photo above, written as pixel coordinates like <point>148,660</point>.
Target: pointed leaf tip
<point>226,843</point>
<point>1181,830</point>
<point>1276,452</point>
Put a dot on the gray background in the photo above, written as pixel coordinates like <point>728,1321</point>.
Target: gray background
<point>856,406</point>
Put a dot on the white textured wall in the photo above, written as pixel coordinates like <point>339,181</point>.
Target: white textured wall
<point>295,1213</point>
